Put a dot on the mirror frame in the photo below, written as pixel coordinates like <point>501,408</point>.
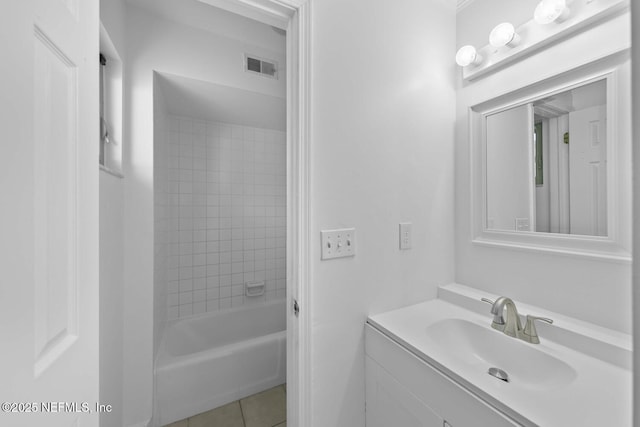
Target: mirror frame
<point>616,246</point>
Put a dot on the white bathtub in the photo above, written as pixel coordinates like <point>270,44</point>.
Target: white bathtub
<point>210,360</point>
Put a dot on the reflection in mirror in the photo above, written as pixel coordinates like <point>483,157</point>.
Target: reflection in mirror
<point>546,164</point>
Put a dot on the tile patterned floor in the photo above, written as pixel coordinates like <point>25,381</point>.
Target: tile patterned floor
<point>265,409</point>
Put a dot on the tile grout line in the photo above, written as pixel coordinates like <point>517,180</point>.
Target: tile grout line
<point>244,423</point>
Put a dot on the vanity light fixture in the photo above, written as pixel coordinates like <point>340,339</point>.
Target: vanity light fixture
<point>504,35</point>
<point>467,55</point>
<point>552,22</point>
<point>549,11</point>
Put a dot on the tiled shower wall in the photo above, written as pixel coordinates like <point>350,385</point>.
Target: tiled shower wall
<point>227,214</point>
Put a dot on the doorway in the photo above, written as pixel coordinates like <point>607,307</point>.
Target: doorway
<point>294,21</point>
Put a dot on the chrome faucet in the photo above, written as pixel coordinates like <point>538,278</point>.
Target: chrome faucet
<point>511,325</point>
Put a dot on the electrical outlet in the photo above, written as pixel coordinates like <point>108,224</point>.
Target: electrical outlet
<point>522,224</point>
<point>405,235</point>
<point>338,243</point>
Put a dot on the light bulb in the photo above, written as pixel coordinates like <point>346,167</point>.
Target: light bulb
<point>549,11</point>
<point>467,55</point>
<point>504,35</point>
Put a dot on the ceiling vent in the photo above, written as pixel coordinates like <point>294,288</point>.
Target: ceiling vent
<point>265,67</point>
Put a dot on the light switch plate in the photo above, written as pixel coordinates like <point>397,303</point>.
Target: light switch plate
<point>405,235</point>
<point>338,243</point>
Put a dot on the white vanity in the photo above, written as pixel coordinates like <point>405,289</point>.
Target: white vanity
<point>427,365</point>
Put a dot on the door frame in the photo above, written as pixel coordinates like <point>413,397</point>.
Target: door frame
<point>635,97</point>
<point>295,17</point>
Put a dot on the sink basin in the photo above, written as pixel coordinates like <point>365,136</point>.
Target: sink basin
<point>581,377</point>
<point>472,346</point>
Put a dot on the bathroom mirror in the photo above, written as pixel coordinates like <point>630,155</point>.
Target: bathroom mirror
<point>550,165</point>
<point>547,163</point>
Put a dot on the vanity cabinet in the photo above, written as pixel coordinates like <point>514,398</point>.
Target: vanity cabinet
<point>389,403</point>
<point>404,390</point>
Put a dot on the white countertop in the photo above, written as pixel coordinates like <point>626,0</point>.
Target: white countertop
<point>598,395</point>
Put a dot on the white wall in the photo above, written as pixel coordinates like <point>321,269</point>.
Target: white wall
<point>217,103</point>
<point>573,286</point>
<point>157,44</point>
<point>382,152</point>
<point>111,280</point>
<point>111,255</point>
<point>112,14</point>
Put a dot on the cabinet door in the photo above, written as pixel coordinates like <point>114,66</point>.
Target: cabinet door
<point>407,384</point>
<point>391,404</point>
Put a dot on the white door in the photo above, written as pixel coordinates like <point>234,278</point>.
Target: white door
<point>49,214</point>
<point>588,171</point>
<point>511,183</point>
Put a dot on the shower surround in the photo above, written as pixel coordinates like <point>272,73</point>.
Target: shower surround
<point>226,204</point>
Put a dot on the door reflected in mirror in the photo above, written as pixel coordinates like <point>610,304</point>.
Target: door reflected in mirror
<point>546,164</point>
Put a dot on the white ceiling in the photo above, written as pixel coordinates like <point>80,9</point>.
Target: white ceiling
<point>462,3</point>
<point>209,101</point>
<point>198,14</point>
<point>205,15</point>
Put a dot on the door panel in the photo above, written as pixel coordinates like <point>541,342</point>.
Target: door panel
<point>588,171</point>
<point>49,226</point>
<point>55,124</point>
